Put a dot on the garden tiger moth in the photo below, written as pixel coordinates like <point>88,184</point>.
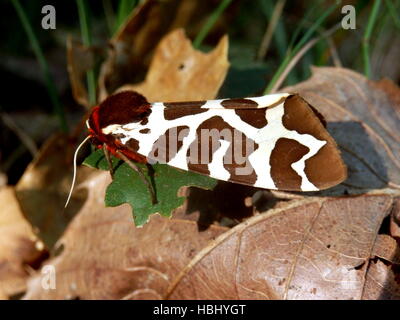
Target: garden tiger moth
<point>274,141</point>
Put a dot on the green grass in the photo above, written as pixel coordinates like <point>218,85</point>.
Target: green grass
<point>299,45</point>
<point>367,36</point>
<point>49,81</point>
<point>394,12</point>
<point>210,22</point>
<point>84,22</point>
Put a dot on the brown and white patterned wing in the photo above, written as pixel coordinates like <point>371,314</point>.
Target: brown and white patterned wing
<point>273,142</point>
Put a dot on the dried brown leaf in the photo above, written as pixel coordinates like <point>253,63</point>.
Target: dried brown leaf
<point>178,71</point>
<point>106,257</point>
<point>19,246</point>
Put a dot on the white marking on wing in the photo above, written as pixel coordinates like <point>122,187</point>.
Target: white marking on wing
<point>213,104</point>
<point>111,128</point>
<point>300,165</point>
<point>263,101</point>
<point>267,138</point>
<point>269,99</point>
<point>216,167</point>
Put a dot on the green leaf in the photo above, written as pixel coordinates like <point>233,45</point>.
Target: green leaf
<point>127,187</point>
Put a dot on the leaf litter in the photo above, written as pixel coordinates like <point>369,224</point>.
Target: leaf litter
<point>316,246</point>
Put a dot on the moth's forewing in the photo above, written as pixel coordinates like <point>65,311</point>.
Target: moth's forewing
<point>325,168</point>
<point>274,141</point>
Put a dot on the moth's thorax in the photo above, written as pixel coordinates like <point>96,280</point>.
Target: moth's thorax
<point>123,109</point>
<point>117,110</point>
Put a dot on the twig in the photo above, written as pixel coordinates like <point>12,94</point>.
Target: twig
<point>26,140</point>
<point>285,195</point>
<point>334,53</point>
<point>270,29</point>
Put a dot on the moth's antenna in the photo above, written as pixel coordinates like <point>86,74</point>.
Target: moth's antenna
<point>74,177</point>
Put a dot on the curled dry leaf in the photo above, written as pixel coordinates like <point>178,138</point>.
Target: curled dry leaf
<point>364,119</point>
<point>44,186</point>
<point>106,257</point>
<point>381,283</point>
<point>80,59</point>
<point>387,248</point>
<point>318,248</point>
<point>178,72</point>
<point>132,45</point>
<point>20,249</point>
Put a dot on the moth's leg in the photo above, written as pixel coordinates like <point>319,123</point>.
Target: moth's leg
<point>141,175</point>
<point>109,162</point>
<point>150,173</point>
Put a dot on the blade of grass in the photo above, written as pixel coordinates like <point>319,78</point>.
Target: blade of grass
<point>393,12</point>
<point>280,38</point>
<point>109,14</point>
<point>320,50</point>
<point>307,17</point>
<point>367,35</point>
<point>299,46</point>
<point>50,86</point>
<point>210,23</point>
<point>125,7</point>
<point>87,41</point>
<point>318,23</point>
